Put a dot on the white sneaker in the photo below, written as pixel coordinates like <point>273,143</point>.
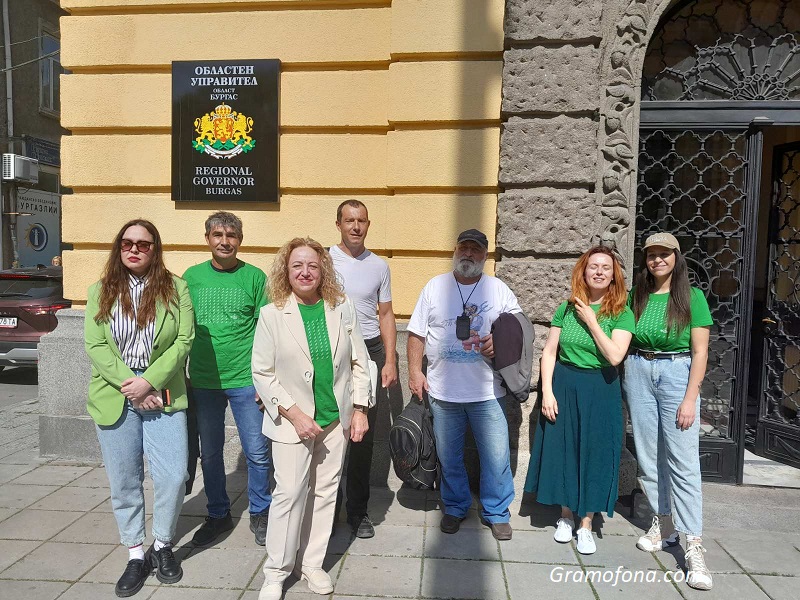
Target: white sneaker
<point>317,579</point>
<point>586,543</point>
<point>653,540</point>
<point>697,574</point>
<point>271,591</point>
<point>563,532</point>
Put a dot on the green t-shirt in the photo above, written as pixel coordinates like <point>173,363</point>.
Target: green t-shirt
<point>326,410</point>
<point>651,329</point>
<point>576,345</point>
<point>226,306</point>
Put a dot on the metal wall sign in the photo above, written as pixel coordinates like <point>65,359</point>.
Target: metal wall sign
<point>38,227</point>
<point>45,151</point>
<point>225,130</point>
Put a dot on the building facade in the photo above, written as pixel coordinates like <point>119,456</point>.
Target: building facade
<point>549,124</point>
<point>29,126</point>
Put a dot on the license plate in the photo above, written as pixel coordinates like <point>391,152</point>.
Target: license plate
<point>8,321</point>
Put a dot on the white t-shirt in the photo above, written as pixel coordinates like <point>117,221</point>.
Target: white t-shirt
<point>457,372</point>
<point>366,279</point>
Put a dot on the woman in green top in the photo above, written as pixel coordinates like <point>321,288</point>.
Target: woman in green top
<point>310,370</point>
<point>576,452</point>
<point>662,382</point>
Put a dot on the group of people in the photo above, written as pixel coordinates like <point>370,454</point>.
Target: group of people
<point>660,331</point>
<point>295,409</point>
<point>291,356</point>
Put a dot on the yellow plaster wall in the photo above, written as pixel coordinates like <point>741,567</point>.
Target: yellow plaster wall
<point>394,102</point>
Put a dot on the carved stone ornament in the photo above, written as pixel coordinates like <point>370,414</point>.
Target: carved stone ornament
<point>619,123</point>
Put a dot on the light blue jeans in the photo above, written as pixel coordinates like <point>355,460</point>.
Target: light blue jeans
<point>163,439</point>
<point>210,406</point>
<point>489,426</point>
<point>669,459</point>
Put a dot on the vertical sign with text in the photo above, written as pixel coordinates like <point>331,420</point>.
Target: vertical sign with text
<point>38,227</point>
<point>225,130</point>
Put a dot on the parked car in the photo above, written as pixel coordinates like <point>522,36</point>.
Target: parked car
<point>29,299</point>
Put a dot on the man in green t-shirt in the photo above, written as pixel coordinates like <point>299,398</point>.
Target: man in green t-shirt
<point>227,294</point>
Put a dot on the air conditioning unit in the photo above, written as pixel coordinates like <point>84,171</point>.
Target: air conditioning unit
<point>20,168</point>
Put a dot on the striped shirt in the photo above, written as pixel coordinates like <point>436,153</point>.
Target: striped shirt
<point>135,345</point>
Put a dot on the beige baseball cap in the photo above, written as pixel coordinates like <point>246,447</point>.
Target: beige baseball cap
<point>667,240</point>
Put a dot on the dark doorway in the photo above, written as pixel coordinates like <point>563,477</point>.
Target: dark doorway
<point>773,421</point>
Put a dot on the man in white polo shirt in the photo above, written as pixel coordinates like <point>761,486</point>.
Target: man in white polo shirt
<point>367,282</point>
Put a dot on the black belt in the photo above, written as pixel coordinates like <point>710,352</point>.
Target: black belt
<point>650,355</point>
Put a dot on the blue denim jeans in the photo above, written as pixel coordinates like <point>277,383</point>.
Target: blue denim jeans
<point>162,438</point>
<point>669,459</point>
<point>210,406</point>
<point>489,427</point>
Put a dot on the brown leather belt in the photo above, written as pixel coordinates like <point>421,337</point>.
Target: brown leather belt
<point>651,355</point>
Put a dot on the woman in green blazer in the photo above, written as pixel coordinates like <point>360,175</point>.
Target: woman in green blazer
<point>139,328</point>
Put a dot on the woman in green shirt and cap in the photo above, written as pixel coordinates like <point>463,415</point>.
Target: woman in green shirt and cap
<point>662,382</point>
<point>576,451</point>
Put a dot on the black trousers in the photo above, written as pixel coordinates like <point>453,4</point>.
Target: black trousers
<point>360,455</point>
<point>194,438</point>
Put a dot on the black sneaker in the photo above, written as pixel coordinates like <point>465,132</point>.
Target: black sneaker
<point>164,563</point>
<point>212,529</point>
<point>133,578</point>
<point>362,526</point>
<point>258,525</point>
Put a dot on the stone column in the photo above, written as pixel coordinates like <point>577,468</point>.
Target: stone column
<point>65,428</point>
<point>549,213</point>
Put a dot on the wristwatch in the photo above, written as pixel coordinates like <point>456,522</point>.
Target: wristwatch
<point>360,408</point>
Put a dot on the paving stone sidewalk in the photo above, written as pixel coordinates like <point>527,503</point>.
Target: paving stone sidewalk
<point>58,539</point>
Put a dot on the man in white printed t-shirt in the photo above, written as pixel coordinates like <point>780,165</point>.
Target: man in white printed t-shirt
<point>452,324</point>
<point>368,283</point>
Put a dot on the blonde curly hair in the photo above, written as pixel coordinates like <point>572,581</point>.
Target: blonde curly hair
<point>279,288</point>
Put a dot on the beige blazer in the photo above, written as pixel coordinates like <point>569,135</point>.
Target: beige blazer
<point>283,373</point>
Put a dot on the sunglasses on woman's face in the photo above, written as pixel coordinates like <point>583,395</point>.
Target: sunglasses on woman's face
<point>141,246</point>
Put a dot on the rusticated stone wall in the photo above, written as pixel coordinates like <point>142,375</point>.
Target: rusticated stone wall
<point>548,213</point>
<point>548,157</point>
<point>568,148</point>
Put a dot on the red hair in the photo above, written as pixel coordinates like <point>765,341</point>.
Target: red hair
<point>616,297</point>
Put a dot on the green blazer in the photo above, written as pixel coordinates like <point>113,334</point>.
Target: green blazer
<point>173,339</point>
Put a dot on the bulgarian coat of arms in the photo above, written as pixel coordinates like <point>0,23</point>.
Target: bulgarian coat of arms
<point>223,133</point>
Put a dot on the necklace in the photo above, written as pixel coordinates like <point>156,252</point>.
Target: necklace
<point>464,302</point>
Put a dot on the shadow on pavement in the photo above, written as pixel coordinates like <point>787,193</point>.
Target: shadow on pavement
<point>20,375</point>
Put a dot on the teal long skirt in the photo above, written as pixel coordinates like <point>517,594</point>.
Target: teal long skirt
<point>575,461</point>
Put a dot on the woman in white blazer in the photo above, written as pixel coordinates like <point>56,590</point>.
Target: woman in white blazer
<point>310,370</point>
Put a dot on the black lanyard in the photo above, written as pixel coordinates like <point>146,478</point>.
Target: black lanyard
<point>464,302</point>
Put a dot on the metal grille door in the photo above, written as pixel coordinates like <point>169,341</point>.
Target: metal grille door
<point>692,183</point>
<point>778,430</point>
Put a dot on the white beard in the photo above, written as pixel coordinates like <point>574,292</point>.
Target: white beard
<point>467,268</point>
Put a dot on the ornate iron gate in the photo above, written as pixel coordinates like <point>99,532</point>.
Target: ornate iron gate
<point>778,429</point>
<point>693,184</point>
<point>716,73</point>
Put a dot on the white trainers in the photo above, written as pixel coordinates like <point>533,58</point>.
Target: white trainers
<point>271,591</point>
<point>563,532</point>
<point>317,579</point>
<point>586,543</point>
<point>697,574</point>
<point>653,540</point>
